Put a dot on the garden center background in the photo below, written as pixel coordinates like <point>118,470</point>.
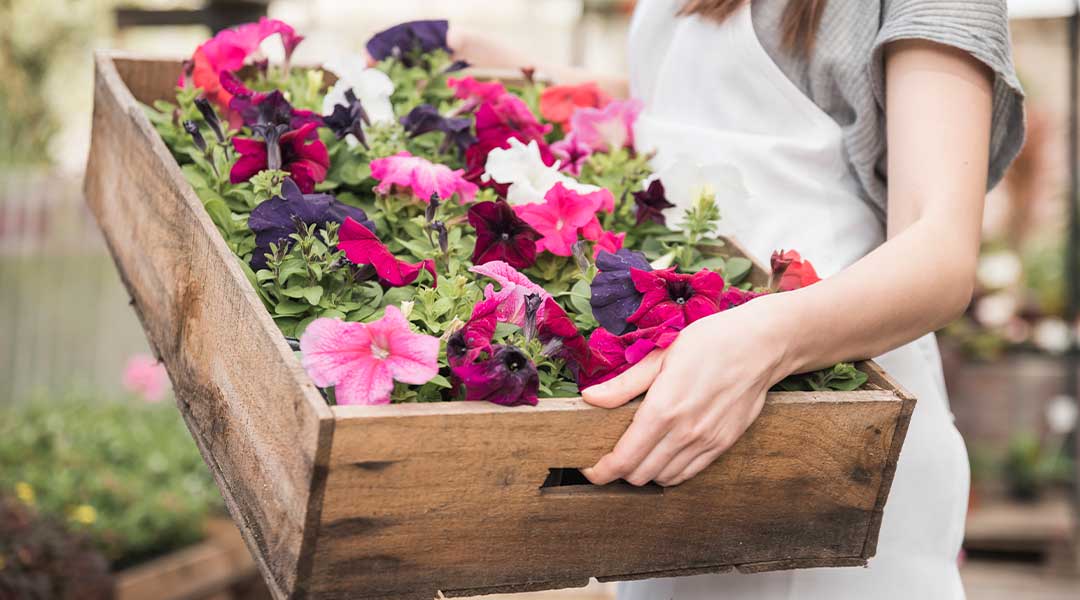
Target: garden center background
<point>90,443</point>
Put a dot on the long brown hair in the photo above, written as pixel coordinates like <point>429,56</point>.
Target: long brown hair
<point>799,23</point>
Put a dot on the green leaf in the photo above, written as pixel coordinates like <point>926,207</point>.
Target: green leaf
<point>289,308</point>
<point>736,269</point>
<point>580,295</point>
<point>311,293</point>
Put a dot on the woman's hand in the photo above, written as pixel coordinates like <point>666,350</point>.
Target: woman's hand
<point>703,393</point>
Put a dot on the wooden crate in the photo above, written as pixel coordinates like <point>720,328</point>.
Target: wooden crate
<point>402,501</point>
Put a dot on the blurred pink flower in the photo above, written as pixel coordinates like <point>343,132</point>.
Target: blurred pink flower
<point>229,49</point>
<point>422,177</point>
<point>608,242</point>
<point>362,360</point>
<point>606,129</point>
<point>145,377</point>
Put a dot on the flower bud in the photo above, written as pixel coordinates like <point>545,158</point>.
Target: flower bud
<point>581,257</point>
<point>196,135</point>
<point>211,117</point>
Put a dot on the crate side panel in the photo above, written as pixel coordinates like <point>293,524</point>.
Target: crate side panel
<point>452,502</point>
<point>237,386</point>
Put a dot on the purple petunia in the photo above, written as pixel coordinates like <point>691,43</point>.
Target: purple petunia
<point>349,118</point>
<point>650,203</point>
<point>506,377</point>
<point>426,119</point>
<point>614,297</point>
<point>403,40</point>
<point>502,235</point>
<point>276,219</point>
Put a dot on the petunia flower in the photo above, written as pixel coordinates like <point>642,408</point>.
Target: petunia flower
<point>307,161</point>
<point>362,247</point>
<point>362,360</point>
<point>499,122</point>
<point>404,40</point>
<point>348,120</point>
<point>426,118</point>
<point>259,110</point>
<point>513,287</point>
<point>502,235</point>
<point>668,295</point>
<point>530,179</point>
<point>274,220</point>
<point>686,179</point>
<point>614,297</point>
<point>371,87</point>
<point>651,202</point>
<point>558,102</point>
<point>609,355</point>
<point>229,49</point>
<point>572,154</point>
<point>559,335</point>
<point>474,338</point>
<point>609,128</point>
<point>790,271</point>
<point>475,92</point>
<point>507,378</point>
<point>608,242</point>
<point>565,215</point>
<point>420,176</point>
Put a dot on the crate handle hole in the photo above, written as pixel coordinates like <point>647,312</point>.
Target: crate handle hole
<point>567,481</point>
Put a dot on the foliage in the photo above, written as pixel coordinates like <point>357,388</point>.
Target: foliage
<point>125,475</point>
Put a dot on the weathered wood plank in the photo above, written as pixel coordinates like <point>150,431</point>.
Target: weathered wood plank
<point>432,496</point>
<point>261,425</point>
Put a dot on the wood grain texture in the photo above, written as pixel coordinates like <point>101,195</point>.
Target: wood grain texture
<point>447,496</point>
<point>397,502</point>
<point>261,425</point>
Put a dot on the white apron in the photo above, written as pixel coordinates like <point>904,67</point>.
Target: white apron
<point>714,98</point>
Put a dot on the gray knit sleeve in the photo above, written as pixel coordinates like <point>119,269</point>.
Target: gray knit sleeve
<point>978,27</point>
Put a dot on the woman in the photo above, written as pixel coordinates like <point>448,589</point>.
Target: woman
<point>803,98</point>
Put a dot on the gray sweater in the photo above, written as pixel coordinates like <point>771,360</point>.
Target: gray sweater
<point>845,73</point>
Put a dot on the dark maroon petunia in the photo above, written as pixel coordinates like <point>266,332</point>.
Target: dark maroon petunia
<point>614,297</point>
<point>668,296</point>
<point>307,161</point>
<point>274,220</point>
<point>506,377</point>
<point>650,203</point>
<point>502,235</point>
<point>405,40</point>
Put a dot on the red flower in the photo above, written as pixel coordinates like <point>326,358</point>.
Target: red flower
<point>610,354</point>
<point>307,161</point>
<point>362,247</point>
<point>555,327</point>
<point>791,272</point>
<point>558,102</point>
<point>675,297</point>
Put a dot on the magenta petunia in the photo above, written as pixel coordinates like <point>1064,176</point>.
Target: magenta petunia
<point>564,216</point>
<point>572,154</point>
<point>680,297</point>
<point>609,128</point>
<point>422,177</point>
<point>362,360</point>
<point>559,335</point>
<point>610,354</point>
<point>475,92</point>
<point>474,338</point>
<point>229,49</point>
<point>362,247</point>
<point>506,377</point>
<point>608,242</point>
<point>502,235</point>
<point>513,287</point>
<point>306,161</point>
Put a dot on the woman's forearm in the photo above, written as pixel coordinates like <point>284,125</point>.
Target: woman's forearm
<point>485,52</point>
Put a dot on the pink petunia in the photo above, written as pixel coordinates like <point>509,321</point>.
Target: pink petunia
<point>145,377</point>
<point>608,242</point>
<point>474,91</point>
<point>362,360</point>
<point>607,129</point>
<point>513,287</point>
<point>564,215</point>
<point>362,247</point>
<point>572,154</point>
<point>422,177</point>
<point>229,49</point>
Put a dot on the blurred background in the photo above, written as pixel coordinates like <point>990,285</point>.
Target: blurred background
<point>97,468</point>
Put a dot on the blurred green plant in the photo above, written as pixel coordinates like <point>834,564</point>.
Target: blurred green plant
<point>124,474</point>
<point>37,38</point>
<point>1030,466</point>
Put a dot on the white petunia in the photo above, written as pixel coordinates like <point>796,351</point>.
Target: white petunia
<point>686,180</point>
<point>372,88</point>
<point>529,178</point>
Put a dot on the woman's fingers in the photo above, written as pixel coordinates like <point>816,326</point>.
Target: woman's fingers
<point>696,466</point>
<point>634,445</point>
<point>658,459</point>
<point>634,382</point>
<point>675,467</point>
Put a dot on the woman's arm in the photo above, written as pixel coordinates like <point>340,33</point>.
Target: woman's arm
<point>486,52</point>
<point>938,120</point>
